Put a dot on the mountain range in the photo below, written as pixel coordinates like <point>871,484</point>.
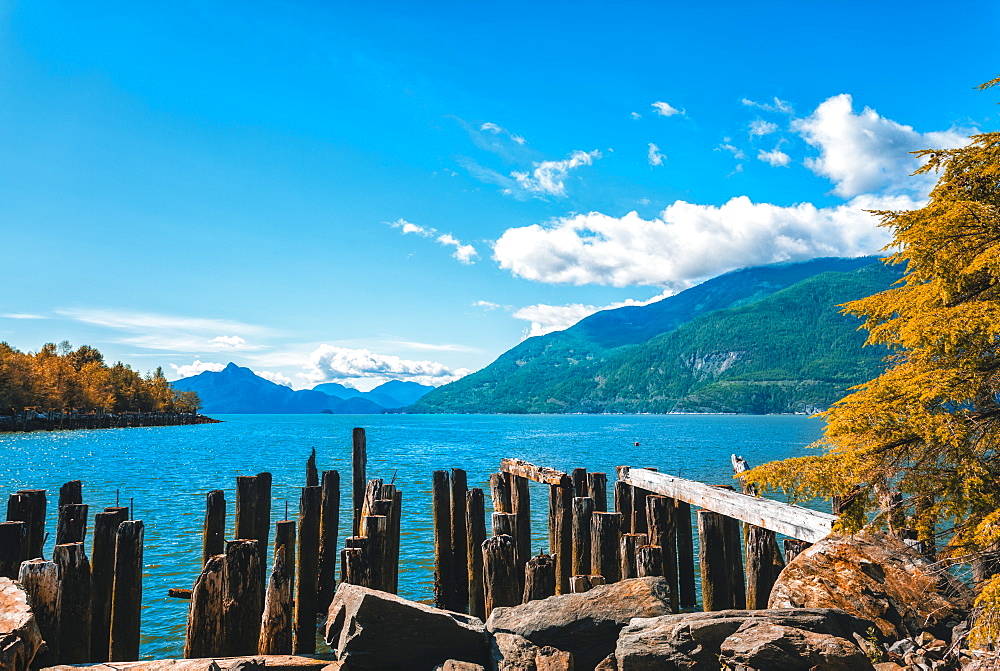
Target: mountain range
<point>769,339</point>
<point>237,390</point>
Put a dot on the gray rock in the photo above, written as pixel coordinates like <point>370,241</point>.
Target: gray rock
<point>695,640</point>
<point>20,637</point>
<point>902,647</point>
<point>778,648</point>
<point>586,625</point>
<point>510,652</point>
<point>455,665</point>
<point>370,629</point>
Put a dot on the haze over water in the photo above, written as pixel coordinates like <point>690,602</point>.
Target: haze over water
<point>168,471</point>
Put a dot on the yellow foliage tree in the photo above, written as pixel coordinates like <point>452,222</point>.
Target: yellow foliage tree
<point>929,426</point>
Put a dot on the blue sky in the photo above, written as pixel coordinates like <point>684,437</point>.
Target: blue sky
<point>355,193</point>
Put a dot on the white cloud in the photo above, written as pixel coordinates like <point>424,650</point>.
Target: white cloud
<point>21,315</point>
<point>548,318</point>
<point>407,227</point>
<point>735,151</point>
<point>866,152</point>
<point>277,378</point>
<point>654,155</point>
<point>490,127</point>
<point>665,109</point>
<point>778,105</point>
<point>689,242</point>
<point>228,342</point>
<point>329,363</point>
<point>169,332</point>
<point>487,305</point>
<point>465,254</point>
<point>196,367</point>
<point>549,177</point>
<point>635,115</point>
<point>775,157</point>
<point>760,128</point>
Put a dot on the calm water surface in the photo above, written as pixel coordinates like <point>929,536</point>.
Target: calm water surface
<point>168,470</point>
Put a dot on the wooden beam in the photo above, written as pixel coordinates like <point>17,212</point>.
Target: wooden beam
<point>793,521</point>
<point>543,474</point>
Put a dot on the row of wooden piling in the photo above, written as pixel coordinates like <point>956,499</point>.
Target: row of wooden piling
<point>87,609</point>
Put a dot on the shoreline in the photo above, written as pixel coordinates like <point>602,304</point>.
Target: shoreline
<point>26,422</point>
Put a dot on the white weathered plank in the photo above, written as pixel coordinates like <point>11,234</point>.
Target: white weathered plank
<point>793,521</point>
<point>543,474</point>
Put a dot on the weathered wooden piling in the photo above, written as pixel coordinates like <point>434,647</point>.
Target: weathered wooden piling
<point>102,576</point>
<point>475,536</point>
<point>246,504</point>
<point>521,501</point>
<point>74,602</point>
<point>794,547</point>
<point>639,497</point>
<point>685,554</point>
<point>630,544</point>
<point>500,492</point>
<point>583,511</point>
<point>28,505</point>
<point>72,524</point>
<point>499,573</point>
<point>214,534</point>
<point>359,464</point>
<point>375,529</point>
<point>561,534</point>
<point>329,524</point>
<point>579,476</point>
<point>276,622</point>
<point>539,578</point>
<point>762,571</point>
<point>663,533</point>
<point>460,557</point>
<point>12,548</point>
<point>393,498</point>
<point>262,523</point>
<point>597,489</point>
<point>623,504</point>
<point>583,583</point>
<point>304,638</point>
<point>204,622</point>
<point>734,556</point>
<point>242,598</point>
<point>649,562</point>
<point>444,558</point>
<point>126,592</point>
<point>505,524</point>
<point>353,569</point>
<point>71,492</point>
<point>312,474</point>
<point>606,530</point>
<point>716,586</point>
<point>40,580</point>
<point>373,492</point>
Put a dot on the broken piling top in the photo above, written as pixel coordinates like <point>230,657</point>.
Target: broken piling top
<point>542,474</point>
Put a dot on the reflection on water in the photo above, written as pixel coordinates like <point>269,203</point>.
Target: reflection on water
<point>166,472</point>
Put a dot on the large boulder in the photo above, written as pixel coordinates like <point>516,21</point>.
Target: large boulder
<point>586,625</point>
<point>370,629</point>
<point>20,638</point>
<point>876,577</point>
<point>769,640</point>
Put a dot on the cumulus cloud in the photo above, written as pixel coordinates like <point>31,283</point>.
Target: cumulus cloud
<point>665,109</point>
<point>228,342</point>
<point>778,105</point>
<point>760,128</point>
<point>635,115</point>
<point>407,227</point>
<point>775,157</point>
<point>654,155</point>
<point>548,318</point>
<point>866,152</point>
<point>277,378</point>
<point>465,254</point>
<point>688,242</point>
<point>549,177</point>
<point>196,367</point>
<point>732,149</point>
<point>329,363</point>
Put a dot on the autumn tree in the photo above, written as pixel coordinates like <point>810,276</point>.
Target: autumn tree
<point>929,426</point>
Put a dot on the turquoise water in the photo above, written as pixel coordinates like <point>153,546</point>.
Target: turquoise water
<point>168,470</point>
